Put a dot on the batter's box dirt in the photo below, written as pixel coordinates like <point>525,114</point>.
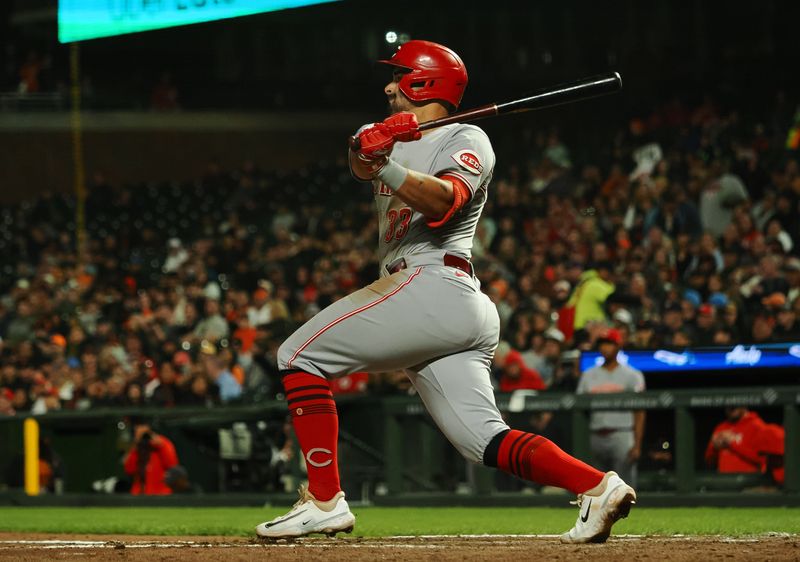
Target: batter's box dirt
<point>487,547</point>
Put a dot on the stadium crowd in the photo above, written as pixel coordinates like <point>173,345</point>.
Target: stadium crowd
<point>683,232</point>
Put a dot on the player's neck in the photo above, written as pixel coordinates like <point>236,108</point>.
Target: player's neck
<point>429,112</point>
<point>610,365</point>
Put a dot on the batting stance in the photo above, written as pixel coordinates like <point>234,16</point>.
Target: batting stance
<point>426,313</point>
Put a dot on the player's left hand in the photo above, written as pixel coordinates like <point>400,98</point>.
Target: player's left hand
<point>376,142</point>
<point>403,127</point>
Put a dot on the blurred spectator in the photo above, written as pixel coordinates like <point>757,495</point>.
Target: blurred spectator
<point>718,200</point>
<point>164,96</point>
<point>51,469</point>
<point>514,374</point>
<point>218,372</point>
<point>29,73</point>
<point>213,327</point>
<point>198,392</point>
<point>674,216</point>
<point>745,443</point>
<point>177,478</point>
<point>163,390</point>
<point>590,294</point>
<point>705,325</point>
<point>150,457</point>
<point>265,308</point>
<point>546,361</point>
<point>176,255</point>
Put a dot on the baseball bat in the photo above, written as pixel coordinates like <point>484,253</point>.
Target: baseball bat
<point>583,89</point>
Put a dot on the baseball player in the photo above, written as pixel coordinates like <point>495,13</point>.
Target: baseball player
<point>616,440</point>
<point>426,313</point>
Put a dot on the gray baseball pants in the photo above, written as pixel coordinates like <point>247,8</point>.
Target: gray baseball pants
<point>430,320</point>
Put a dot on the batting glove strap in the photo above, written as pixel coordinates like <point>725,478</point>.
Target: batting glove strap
<point>392,174</point>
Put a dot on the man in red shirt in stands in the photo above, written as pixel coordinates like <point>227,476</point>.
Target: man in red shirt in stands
<point>746,443</point>
<point>148,460</point>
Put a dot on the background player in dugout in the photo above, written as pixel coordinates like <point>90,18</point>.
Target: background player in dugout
<point>426,313</point>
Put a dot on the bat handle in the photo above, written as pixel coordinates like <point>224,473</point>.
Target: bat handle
<point>481,112</point>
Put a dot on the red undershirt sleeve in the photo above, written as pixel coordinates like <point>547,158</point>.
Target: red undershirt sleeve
<point>461,196</point>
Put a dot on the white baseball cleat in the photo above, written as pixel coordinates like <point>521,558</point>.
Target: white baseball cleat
<point>308,516</point>
<point>599,508</point>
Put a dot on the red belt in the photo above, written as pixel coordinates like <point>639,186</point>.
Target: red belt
<point>449,260</point>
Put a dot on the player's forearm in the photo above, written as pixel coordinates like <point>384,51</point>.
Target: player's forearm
<point>360,169</point>
<point>426,194</point>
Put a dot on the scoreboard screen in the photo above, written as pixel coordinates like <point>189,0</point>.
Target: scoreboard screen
<point>89,19</point>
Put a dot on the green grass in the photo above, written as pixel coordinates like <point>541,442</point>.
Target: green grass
<point>378,521</point>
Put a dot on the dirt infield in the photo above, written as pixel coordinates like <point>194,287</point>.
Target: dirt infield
<point>27,546</point>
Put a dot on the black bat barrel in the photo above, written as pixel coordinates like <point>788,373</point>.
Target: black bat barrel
<point>551,96</point>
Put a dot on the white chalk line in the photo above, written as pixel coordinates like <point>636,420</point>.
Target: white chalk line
<point>385,542</point>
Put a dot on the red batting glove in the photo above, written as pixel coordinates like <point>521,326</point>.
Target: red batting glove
<point>376,142</point>
<point>403,127</point>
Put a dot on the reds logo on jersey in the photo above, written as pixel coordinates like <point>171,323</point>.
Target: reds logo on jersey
<point>468,160</point>
<point>382,190</point>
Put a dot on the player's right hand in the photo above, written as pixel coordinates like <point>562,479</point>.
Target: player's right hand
<point>375,142</point>
<point>403,127</point>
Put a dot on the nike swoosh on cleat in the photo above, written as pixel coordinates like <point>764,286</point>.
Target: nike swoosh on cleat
<point>306,522</point>
<point>585,518</point>
<point>271,523</point>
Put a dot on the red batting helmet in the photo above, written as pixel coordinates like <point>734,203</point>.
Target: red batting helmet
<point>436,72</point>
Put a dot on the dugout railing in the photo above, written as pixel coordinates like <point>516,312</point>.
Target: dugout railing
<point>685,405</point>
<point>389,443</point>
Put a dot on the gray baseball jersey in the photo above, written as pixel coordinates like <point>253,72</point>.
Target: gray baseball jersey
<point>428,319</point>
<point>600,380</point>
<point>463,151</point>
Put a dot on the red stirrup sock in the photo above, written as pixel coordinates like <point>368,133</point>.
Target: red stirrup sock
<point>538,459</point>
<point>316,424</point>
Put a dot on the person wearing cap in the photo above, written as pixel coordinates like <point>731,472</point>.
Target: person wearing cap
<point>705,321</point>
<point>546,361</point>
<point>623,321</point>
<point>616,439</point>
<point>514,373</point>
<point>265,307</point>
<point>176,256</point>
